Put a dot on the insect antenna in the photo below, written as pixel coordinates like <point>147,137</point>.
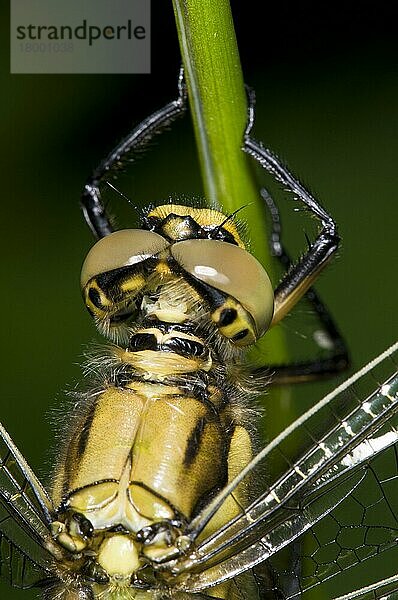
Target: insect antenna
<point>115,189</point>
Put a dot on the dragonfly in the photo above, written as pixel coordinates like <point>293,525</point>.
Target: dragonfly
<point>153,496</point>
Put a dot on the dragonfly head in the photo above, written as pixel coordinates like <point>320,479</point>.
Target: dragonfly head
<point>199,246</point>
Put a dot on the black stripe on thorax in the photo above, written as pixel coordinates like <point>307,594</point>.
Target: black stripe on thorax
<point>179,345</point>
<point>194,442</point>
<point>187,326</point>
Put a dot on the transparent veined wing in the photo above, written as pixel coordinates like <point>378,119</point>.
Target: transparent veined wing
<point>386,589</point>
<point>25,514</point>
<point>363,526</point>
<point>335,463</point>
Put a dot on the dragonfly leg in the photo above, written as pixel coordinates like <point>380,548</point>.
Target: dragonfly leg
<point>91,203</point>
<point>338,359</point>
<point>299,277</point>
<point>302,274</point>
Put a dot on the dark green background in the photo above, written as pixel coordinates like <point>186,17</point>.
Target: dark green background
<point>327,102</point>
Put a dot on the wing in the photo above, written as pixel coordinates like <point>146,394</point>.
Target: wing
<point>387,589</point>
<point>25,509</point>
<point>335,464</point>
<point>361,527</point>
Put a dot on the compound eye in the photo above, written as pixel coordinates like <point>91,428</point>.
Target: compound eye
<point>120,249</point>
<point>248,308</point>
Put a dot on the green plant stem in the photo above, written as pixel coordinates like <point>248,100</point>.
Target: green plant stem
<point>219,111</point>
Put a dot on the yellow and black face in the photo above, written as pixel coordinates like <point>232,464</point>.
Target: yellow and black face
<point>185,258</point>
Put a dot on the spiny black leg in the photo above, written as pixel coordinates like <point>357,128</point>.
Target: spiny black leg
<point>91,203</point>
<point>312,369</point>
<point>300,276</point>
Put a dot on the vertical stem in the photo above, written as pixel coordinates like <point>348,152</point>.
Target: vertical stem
<point>219,111</point>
